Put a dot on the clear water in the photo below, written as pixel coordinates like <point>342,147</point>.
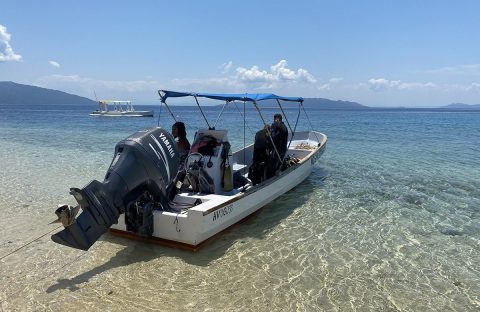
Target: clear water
<point>388,221</point>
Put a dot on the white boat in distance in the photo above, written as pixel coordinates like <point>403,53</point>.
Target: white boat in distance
<point>120,108</point>
<point>141,197</point>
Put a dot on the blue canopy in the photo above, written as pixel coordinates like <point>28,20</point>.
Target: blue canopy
<point>248,97</point>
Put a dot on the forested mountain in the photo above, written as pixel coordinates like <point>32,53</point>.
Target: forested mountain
<point>15,93</point>
<point>461,106</point>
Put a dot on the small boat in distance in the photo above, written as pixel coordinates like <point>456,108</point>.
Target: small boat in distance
<point>120,108</point>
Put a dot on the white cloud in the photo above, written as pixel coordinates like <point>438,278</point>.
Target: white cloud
<point>331,83</point>
<point>54,64</point>
<point>278,74</point>
<point>210,84</point>
<point>416,85</point>
<point>6,51</point>
<point>466,69</point>
<point>254,74</point>
<point>84,86</point>
<point>336,80</point>
<point>226,67</point>
<point>135,85</point>
<point>381,84</point>
<point>248,79</point>
<point>475,86</point>
<point>472,87</point>
<point>279,78</point>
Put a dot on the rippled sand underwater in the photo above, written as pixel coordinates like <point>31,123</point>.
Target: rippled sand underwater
<point>384,223</point>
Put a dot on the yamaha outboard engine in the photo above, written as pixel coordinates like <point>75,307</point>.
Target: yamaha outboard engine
<point>143,167</point>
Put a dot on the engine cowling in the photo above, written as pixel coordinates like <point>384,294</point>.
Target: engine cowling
<point>142,170</point>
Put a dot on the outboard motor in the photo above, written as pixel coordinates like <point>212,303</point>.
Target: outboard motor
<point>143,168</point>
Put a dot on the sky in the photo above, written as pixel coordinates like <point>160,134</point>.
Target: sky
<point>378,53</point>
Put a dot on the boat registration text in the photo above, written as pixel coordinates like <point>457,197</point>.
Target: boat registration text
<point>222,212</point>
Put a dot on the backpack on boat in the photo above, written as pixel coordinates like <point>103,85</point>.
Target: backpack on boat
<point>199,179</point>
<point>257,172</point>
<point>205,182</point>
<point>205,145</point>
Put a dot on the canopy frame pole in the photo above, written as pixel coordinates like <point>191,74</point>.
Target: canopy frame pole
<point>290,127</point>
<point>295,128</point>
<point>311,127</point>
<point>244,137</point>
<point>169,110</point>
<point>199,107</point>
<point>243,116</point>
<point>159,114</point>
<point>268,132</point>
<point>285,115</point>
<point>221,112</point>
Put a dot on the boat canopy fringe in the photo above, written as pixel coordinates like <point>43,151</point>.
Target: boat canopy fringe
<point>245,97</point>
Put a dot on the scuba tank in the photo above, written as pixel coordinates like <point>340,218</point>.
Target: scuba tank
<point>227,180</point>
<point>227,177</point>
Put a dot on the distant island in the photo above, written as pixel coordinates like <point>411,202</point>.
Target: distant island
<point>15,93</point>
<point>18,94</point>
<point>320,103</point>
<point>330,104</point>
<point>461,106</point>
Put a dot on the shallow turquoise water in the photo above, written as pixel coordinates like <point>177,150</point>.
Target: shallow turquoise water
<point>388,220</point>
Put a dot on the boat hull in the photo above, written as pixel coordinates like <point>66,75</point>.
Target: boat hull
<point>194,227</point>
<point>123,114</point>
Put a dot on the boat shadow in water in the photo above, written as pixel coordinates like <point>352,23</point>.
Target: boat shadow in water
<point>255,226</point>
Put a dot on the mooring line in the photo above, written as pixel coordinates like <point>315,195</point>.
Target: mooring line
<point>3,257</point>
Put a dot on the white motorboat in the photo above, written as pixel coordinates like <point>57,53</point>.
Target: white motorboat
<point>120,108</point>
<point>141,198</point>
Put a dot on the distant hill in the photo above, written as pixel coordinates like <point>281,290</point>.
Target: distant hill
<point>330,104</point>
<point>15,93</point>
<point>317,103</point>
<point>461,106</point>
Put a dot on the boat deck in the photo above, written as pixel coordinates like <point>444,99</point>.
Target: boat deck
<point>185,200</point>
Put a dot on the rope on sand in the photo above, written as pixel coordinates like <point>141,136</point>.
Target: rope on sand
<point>24,245</point>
